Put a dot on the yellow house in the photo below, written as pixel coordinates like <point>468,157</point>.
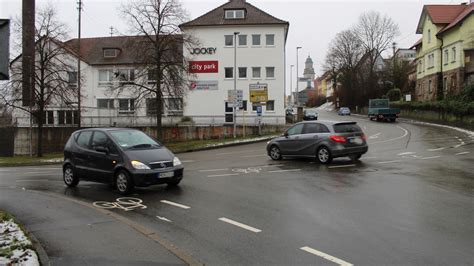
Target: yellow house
<point>445,53</point>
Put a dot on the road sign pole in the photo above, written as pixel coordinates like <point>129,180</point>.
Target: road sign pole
<point>235,82</point>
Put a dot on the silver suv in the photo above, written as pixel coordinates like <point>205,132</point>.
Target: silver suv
<point>324,140</point>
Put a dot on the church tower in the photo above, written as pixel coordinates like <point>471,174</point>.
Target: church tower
<point>308,69</point>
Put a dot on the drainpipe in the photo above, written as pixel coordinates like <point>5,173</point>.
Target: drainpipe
<point>440,92</point>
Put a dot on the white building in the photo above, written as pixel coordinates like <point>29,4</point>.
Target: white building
<point>260,59</point>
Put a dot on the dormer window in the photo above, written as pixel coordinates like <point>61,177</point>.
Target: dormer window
<point>235,14</point>
<point>110,52</point>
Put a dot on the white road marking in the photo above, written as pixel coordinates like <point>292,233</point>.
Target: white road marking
<point>281,171</point>
<point>236,152</point>
<point>326,256</point>
<point>341,166</point>
<point>373,157</point>
<point>406,153</point>
<point>188,161</point>
<point>251,156</point>
<point>241,225</point>
<point>433,157</point>
<point>221,175</point>
<point>375,136</point>
<point>462,153</point>
<point>163,219</point>
<point>175,204</point>
<point>214,170</point>
<point>438,149</point>
<point>388,140</point>
<point>395,161</point>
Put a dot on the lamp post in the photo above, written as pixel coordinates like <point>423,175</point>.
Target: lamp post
<point>235,83</point>
<point>291,86</point>
<point>297,79</point>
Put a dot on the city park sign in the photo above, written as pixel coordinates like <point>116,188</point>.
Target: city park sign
<point>203,50</point>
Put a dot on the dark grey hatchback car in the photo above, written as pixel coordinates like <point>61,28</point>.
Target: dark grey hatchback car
<point>123,157</point>
<point>324,140</point>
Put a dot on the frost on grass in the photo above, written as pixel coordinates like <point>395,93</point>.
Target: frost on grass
<point>15,247</point>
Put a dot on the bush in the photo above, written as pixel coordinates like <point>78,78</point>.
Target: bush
<point>186,119</point>
<point>394,94</point>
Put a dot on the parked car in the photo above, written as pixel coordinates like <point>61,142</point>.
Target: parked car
<point>344,111</point>
<point>323,140</point>
<point>310,114</point>
<point>124,158</point>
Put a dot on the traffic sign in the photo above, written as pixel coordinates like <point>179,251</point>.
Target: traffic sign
<point>235,98</point>
<point>259,110</point>
<point>258,92</point>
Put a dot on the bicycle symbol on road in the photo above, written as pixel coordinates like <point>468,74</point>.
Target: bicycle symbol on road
<point>247,170</point>
<point>126,204</point>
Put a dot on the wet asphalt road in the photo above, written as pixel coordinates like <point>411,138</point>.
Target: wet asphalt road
<point>409,201</point>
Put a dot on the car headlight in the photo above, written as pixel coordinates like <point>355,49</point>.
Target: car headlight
<point>140,165</point>
<point>268,142</point>
<point>176,161</point>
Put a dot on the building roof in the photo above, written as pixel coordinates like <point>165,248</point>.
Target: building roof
<point>92,49</point>
<point>464,14</point>
<point>419,42</point>
<point>253,16</point>
<point>440,14</point>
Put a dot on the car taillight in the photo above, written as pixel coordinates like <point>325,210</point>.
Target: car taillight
<point>364,137</point>
<point>339,139</point>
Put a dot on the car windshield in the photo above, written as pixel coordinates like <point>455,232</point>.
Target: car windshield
<point>346,128</point>
<point>310,112</point>
<point>133,139</point>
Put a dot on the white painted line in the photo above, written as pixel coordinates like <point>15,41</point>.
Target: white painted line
<point>271,165</point>
<point>221,175</point>
<point>163,219</point>
<point>433,157</point>
<point>462,153</point>
<point>241,225</point>
<point>252,156</point>
<point>373,157</point>
<point>438,149</point>
<point>214,170</point>
<point>341,166</point>
<point>281,171</point>
<point>188,161</point>
<point>388,140</point>
<point>395,161</point>
<point>406,153</point>
<point>375,136</point>
<point>236,152</point>
<point>175,204</point>
<point>326,256</point>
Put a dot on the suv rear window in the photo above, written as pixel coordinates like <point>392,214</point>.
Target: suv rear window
<point>346,128</point>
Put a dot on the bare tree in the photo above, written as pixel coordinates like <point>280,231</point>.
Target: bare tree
<point>376,34</point>
<point>53,73</point>
<point>162,69</point>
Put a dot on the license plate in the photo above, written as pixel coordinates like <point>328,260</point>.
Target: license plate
<point>356,140</point>
<point>165,174</point>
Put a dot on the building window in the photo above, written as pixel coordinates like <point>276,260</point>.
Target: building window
<point>125,75</point>
<point>256,39</point>
<point>271,105</point>
<point>48,117</point>
<point>270,39</point>
<point>126,106</point>
<point>151,109</point>
<point>429,36</point>
<point>242,72</point>
<point>454,55</point>
<point>244,105</point>
<point>429,86</point>
<point>229,40</point>
<point>242,40</point>
<point>67,117</point>
<point>175,106</point>
<point>256,72</point>
<point>229,72</point>
<point>235,14</point>
<point>110,52</point>
<point>151,76</point>
<point>270,72</point>
<point>72,78</point>
<point>105,76</point>
<point>105,103</point>
<point>446,57</point>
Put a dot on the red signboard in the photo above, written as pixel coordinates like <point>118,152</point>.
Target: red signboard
<point>203,67</point>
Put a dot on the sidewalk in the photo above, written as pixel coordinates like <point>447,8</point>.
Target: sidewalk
<point>74,234</point>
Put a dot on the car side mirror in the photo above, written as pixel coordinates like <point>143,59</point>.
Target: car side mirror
<point>285,134</point>
<point>102,149</point>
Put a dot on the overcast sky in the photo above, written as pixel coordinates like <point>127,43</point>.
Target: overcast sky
<point>313,23</point>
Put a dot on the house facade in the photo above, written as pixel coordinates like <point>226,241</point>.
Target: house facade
<point>236,34</point>
<point>445,51</point>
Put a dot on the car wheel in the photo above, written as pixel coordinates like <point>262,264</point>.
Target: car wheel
<point>69,177</point>
<point>324,155</point>
<point>123,182</point>
<point>355,157</point>
<point>275,153</point>
<point>174,183</point>
<point>392,119</point>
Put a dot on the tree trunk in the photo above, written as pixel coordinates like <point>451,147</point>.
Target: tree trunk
<point>39,133</point>
<point>159,111</point>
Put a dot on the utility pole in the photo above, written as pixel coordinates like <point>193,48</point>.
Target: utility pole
<point>235,83</point>
<point>79,9</point>
<point>111,31</point>
<point>297,79</point>
<point>291,101</point>
<point>28,60</point>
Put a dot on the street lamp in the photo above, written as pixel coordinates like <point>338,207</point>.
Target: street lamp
<point>291,86</point>
<point>297,79</point>
<point>235,82</point>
